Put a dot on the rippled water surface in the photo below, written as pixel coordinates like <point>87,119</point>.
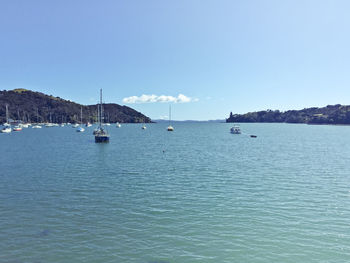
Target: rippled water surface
<point>199,194</point>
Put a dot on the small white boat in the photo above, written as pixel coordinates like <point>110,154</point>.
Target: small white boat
<point>6,129</point>
<point>75,125</point>
<point>88,124</point>
<point>143,127</point>
<point>49,125</point>
<point>118,125</point>
<point>17,128</point>
<point>36,126</point>
<point>80,129</point>
<point>235,130</point>
<point>107,124</point>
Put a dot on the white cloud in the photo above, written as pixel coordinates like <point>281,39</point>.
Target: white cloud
<point>154,98</point>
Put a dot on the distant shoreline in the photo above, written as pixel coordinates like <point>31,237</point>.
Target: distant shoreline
<point>330,115</point>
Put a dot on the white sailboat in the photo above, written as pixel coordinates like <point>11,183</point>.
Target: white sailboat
<point>50,124</point>
<point>7,128</point>
<point>80,128</point>
<point>170,128</point>
<point>101,135</point>
<point>37,126</point>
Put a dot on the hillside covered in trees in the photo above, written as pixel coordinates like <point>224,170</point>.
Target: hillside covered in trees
<point>331,114</point>
<point>30,106</point>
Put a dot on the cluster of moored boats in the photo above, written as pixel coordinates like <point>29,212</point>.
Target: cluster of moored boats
<point>100,133</point>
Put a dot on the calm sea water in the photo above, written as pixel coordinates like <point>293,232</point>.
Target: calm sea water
<point>199,194</point>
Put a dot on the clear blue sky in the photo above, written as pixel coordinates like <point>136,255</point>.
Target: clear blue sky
<point>225,55</point>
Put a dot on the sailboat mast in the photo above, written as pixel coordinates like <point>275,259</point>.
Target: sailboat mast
<point>98,113</point>
<point>169,114</point>
<point>7,113</point>
<point>81,115</point>
<point>101,109</point>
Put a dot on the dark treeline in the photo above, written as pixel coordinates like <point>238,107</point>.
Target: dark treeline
<point>29,106</point>
<point>331,114</point>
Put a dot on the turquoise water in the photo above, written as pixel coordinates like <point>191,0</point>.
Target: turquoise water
<point>199,194</point>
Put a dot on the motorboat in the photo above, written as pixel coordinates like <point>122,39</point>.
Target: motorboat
<point>6,129</point>
<point>17,128</point>
<point>235,129</point>
<point>80,129</point>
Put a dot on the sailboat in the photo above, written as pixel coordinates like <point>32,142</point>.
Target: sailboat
<point>143,125</point>
<point>81,129</point>
<point>101,135</point>
<point>118,125</point>
<point>50,124</point>
<point>7,128</point>
<point>170,128</point>
<point>37,126</point>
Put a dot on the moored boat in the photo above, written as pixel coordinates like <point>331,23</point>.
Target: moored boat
<point>17,128</point>
<point>101,135</point>
<point>235,129</point>
<point>7,128</point>
<point>170,128</point>
<point>80,128</point>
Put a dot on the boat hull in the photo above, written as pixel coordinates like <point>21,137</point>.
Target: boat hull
<point>5,130</point>
<point>101,139</point>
